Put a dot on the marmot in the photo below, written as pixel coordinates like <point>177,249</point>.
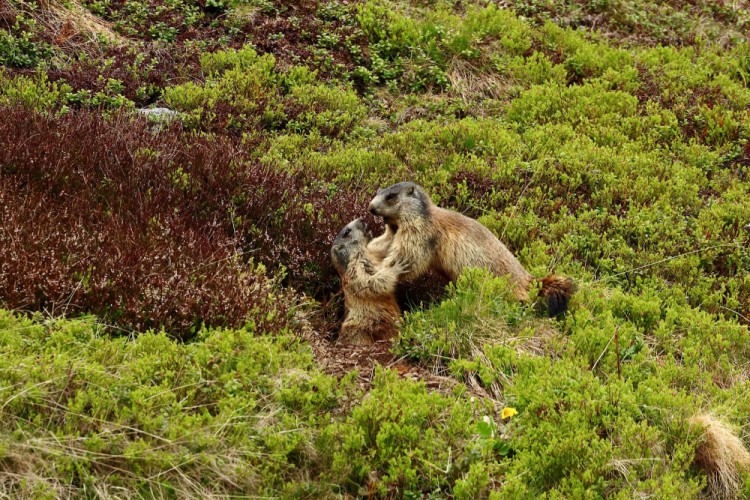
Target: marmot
<point>428,236</point>
<point>369,289</point>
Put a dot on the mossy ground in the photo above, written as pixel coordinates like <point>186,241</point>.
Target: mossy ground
<point>167,298</point>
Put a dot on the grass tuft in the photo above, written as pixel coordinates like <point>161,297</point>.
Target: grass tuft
<point>721,454</point>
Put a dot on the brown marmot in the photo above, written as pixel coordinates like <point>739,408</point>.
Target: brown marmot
<point>428,236</point>
<point>369,288</point>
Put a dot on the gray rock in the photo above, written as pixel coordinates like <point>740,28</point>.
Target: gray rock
<point>159,115</point>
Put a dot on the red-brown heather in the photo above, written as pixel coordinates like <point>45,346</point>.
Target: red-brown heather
<point>149,230</point>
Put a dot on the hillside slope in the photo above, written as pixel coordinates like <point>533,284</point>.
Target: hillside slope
<point>168,304</point>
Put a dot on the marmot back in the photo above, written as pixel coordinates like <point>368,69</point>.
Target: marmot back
<point>430,237</point>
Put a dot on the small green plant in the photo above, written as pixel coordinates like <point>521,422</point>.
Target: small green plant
<point>36,93</point>
<point>21,50</point>
<point>330,111</point>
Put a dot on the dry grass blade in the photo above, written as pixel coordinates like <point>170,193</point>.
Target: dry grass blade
<point>472,84</point>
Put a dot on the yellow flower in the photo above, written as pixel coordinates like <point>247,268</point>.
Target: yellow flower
<point>508,412</point>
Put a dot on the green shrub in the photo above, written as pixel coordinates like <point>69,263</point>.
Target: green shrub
<point>21,50</point>
<point>479,310</point>
<point>244,91</point>
<point>582,58</point>
<point>405,440</point>
<point>331,111</point>
<point>593,105</point>
<point>245,59</point>
<point>515,35</point>
<point>415,51</point>
<point>240,92</point>
<point>578,436</point>
<point>36,93</point>
<point>223,413</point>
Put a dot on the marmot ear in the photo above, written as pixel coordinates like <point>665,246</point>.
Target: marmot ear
<point>410,191</point>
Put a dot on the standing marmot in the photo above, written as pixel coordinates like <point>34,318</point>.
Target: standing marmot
<point>369,289</point>
<point>428,236</point>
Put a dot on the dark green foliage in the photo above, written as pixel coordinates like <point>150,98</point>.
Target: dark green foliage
<point>23,43</point>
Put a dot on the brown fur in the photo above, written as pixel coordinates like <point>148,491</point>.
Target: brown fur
<point>557,291</point>
<point>369,289</point>
<point>430,237</point>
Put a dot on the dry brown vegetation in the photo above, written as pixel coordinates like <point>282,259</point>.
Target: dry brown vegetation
<point>721,453</point>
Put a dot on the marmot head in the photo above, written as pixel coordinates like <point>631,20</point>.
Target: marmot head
<point>400,203</point>
<point>353,238</point>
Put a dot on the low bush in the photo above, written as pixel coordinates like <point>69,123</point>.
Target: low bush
<point>478,310</point>
<point>35,93</point>
<point>603,399</point>
<point>402,440</point>
<point>245,92</point>
<point>127,231</point>
<point>233,412</point>
<point>158,230</point>
<point>644,23</point>
<point>415,51</point>
<point>606,141</point>
<point>22,40</point>
<point>21,51</point>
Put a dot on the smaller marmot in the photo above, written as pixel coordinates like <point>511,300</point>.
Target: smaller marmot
<point>369,288</point>
<point>430,237</point>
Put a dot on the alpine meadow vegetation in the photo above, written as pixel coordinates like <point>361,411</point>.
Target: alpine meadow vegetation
<point>168,308</point>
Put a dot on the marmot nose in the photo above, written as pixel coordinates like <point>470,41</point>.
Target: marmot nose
<point>372,209</point>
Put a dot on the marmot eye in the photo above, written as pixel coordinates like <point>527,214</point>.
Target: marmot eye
<point>347,232</point>
<point>390,196</point>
